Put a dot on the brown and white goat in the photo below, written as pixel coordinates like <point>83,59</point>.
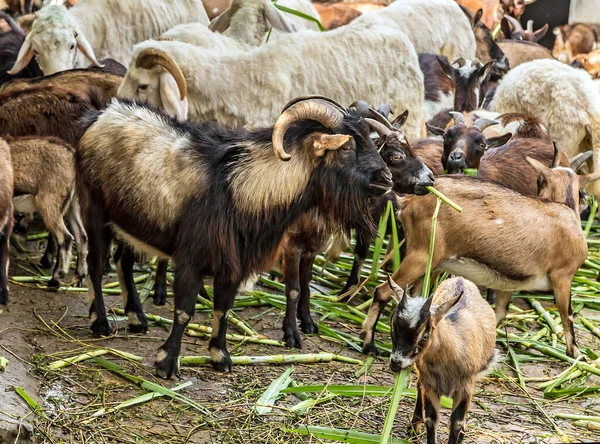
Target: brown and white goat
<point>518,52</point>
<point>574,39</point>
<point>53,189</point>
<point>450,338</point>
<point>537,243</point>
<point>6,216</point>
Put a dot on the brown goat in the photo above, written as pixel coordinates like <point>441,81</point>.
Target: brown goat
<point>53,190</point>
<point>430,151</point>
<point>6,216</point>
<point>537,244</point>
<point>334,15</point>
<point>518,52</point>
<point>590,62</point>
<point>450,338</point>
<point>574,39</point>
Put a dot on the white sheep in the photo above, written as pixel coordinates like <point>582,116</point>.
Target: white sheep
<point>433,26</point>
<point>565,99</point>
<point>248,21</point>
<point>346,64</point>
<point>63,39</point>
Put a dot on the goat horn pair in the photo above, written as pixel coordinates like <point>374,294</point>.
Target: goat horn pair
<point>459,61</point>
<point>482,124</point>
<point>321,109</point>
<point>515,23</point>
<point>150,57</point>
<point>378,122</point>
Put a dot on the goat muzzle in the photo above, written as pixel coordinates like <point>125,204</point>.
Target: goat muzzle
<point>318,108</point>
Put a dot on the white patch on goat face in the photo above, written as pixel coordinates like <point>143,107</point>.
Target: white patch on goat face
<point>142,163</point>
<point>412,311</point>
<point>403,361</point>
<point>261,181</point>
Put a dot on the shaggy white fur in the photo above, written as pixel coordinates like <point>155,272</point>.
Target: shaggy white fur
<point>433,26</point>
<point>565,99</point>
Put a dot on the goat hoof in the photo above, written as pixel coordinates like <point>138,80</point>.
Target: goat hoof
<point>53,284</point>
<point>142,327</point>
<point>46,262</point>
<point>80,281</point>
<point>292,339</point>
<point>4,296</point>
<point>160,297</point>
<point>415,428</point>
<point>224,364</point>
<point>309,327</point>
<point>168,366</point>
<point>101,328</point>
<point>370,349</point>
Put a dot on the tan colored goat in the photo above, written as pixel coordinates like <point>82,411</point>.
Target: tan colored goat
<point>502,240</point>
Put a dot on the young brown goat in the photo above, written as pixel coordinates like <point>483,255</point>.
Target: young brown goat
<point>450,338</point>
<point>6,216</point>
<point>53,190</point>
<point>537,244</point>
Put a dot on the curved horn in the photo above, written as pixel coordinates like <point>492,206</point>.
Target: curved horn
<point>530,26</point>
<point>482,124</point>
<point>361,106</point>
<point>381,129</point>
<point>311,97</point>
<point>578,161</point>
<point>459,61</point>
<point>150,57</point>
<point>555,156</point>
<point>319,109</point>
<point>515,23</point>
<point>365,110</point>
<point>459,119</point>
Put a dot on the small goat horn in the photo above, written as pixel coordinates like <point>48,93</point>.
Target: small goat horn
<point>378,127</point>
<point>459,119</point>
<point>578,161</point>
<point>530,26</point>
<point>459,61</point>
<point>517,27</point>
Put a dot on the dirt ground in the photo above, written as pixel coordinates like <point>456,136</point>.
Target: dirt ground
<point>38,327</point>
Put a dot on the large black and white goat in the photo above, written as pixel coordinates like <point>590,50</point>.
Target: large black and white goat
<point>215,200</point>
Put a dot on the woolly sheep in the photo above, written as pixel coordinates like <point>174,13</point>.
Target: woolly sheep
<point>565,99</point>
<point>433,26</point>
<point>345,64</point>
<point>100,28</point>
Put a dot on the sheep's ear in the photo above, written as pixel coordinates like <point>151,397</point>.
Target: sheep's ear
<point>276,18</point>
<point>86,49</point>
<point>222,22</point>
<point>24,57</point>
<point>330,142</point>
<point>169,94</point>
<point>444,308</point>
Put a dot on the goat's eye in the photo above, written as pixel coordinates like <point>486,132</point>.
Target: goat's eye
<point>396,158</point>
<point>347,147</point>
<point>72,47</point>
<point>482,146</point>
<point>142,88</point>
<point>425,337</point>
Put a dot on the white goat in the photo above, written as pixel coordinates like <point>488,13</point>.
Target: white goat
<point>345,64</point>
<point>95,29</point>
<point>565,99</point>
<point>433,26</point>
<point>248,21</point>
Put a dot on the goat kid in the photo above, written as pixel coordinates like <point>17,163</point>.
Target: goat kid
<point>223,183</point>
<point>450,339</point>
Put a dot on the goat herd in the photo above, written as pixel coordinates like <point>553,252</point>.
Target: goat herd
<point>175,156</point>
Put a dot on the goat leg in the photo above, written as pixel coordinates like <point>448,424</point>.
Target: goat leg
<point>160,283</point>
<point>224,297</point>
<point>124,260</point>
<point>360,254</point>
<point>562,297</point>
<point>291,276</point>
<point>74,220</point>
<point>5,257</point>
<point>432,415</point>
<point>307,325</point>
<point>187,282</point>
<point>461,401</point>
<point>416,423</point>
<point>502,301</point>
<point>47,260</point>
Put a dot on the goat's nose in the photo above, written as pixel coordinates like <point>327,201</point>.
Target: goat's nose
<point>395,366</point>
<point>429,179</point>
<point>457,156</point>
<point>502,64</point>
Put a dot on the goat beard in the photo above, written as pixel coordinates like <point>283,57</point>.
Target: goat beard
<point>350,210</point>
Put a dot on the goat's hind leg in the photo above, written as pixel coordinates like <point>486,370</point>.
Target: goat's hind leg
<point>502,302</point>
<point>160,282</point>
<point>562,297</point>
<point>307,325</point>
<point>124,260</point>
<point>224,298</point>
<point>81,240</point>
<point>461,402</point>
<point>291,276</point>
<point>5,232</point>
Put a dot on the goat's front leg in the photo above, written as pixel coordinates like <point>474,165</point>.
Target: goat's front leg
<point>502,302</point>
<point>360,254</point>
<point>160,282</point>
<point>461,402</point>
<point>416,423</point>
<point>124,260</point>
<point>187,282</point>
<point>224,297</point>
<point>307,325</point>
<point>410,271</point>
<point>291,276</point>
<point>431,403</point>
<point>5,232</point>
<point>47,260</point>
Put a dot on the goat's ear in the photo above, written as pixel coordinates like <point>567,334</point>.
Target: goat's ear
<point>485,70</point>
<point>330,142</point>
<point>444,308</point>
<point>170,96</point>
<point>276,18</point>
<point>4,26</point>
<point>446,67</point>
<point>435,130</point>
<point>397,292</point>
<point>538,166</point>
<point>222,22</point>
<point>400,120</point>
<point>540,33</point>
<point>505,26</point>
<point>494,142</point>
<point>425,312</point>
<point>476,18</point>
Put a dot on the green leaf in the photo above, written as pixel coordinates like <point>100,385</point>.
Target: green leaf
<point>300,14</point>
<point>31,403</point>
<point>342,435</point>
<point>269,396</point>
<point>399,386</point>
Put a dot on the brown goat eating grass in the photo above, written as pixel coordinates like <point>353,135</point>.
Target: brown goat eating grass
<point>44,167</point>
<point>6,216</point>
<point>502,240</point>
<point>450,339</point>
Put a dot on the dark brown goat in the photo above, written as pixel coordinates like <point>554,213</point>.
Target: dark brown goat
<point>512,30</point>
<point>6,216</point>
<point>537,244</point>
<point>11,39</point>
